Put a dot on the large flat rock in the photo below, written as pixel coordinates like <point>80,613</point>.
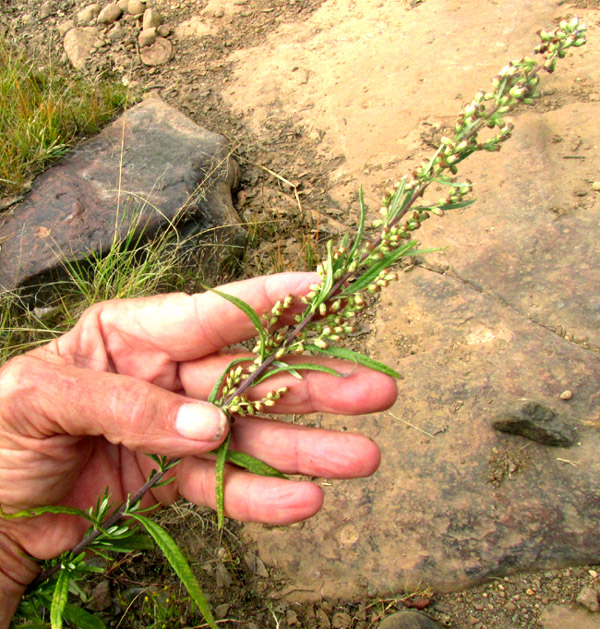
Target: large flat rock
<point>509,309</point>
<point>467,503</point>
<point>151,168</point>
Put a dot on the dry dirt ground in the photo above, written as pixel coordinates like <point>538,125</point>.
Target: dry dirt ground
<point>317,98</point>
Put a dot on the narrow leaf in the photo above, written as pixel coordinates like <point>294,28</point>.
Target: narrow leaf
<point>253,465</point>
<point>220,481</point>
<point>294,369</point>
<point>361,224</point>
<point>372,272</point>
<point>456,206</point>
<point>82,619</point>
<point>361,359</point>
<point>59,599</point>
<point>32,513</point>
<point>249,312</point>
<point>396,203</point>
<point>178,562</point>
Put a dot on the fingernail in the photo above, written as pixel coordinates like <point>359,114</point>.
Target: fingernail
<point>200,421</point>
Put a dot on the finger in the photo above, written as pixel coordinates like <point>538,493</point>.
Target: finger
<point>293,449</point>
<point>40,400</point>
<point>360,391</point>
<point>178,326</point>
<point>249,497</point>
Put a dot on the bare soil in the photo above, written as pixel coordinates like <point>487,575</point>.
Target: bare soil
<point>301,162</point>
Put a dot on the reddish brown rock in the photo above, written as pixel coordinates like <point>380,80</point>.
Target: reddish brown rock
<point>151,165</point>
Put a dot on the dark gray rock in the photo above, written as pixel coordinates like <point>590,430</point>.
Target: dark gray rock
<point>151,167</point>
<point>537,422</point>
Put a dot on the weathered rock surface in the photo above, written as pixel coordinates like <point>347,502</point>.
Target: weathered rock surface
<point>152,166</point>
<point>509,309</point>
<point>537,422</point>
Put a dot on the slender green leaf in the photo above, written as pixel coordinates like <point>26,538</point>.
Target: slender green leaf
<point>32,513</point>
<point>361,224</point>
<point>252,465</point>
<point>397,203</point>
<point>220,480</point>
<point>59,599</point>
<point>126,545</point>
<point>372,272</point>
<point>175,557</point>
<point>294,369</point>
<point>456,206</point>
<point>250,313</point>
<point>212,398</point>
<point>361,359</point>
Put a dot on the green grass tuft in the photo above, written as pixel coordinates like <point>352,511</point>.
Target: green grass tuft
<point>43,112</point>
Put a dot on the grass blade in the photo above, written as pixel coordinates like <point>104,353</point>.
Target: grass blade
<point>179,563</point>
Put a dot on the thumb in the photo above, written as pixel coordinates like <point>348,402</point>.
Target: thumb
<point>40,399</point>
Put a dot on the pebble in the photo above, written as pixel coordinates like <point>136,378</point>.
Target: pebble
<point>135,7</point>
<point>588,598</point>
<point>596,186</point>
<point>46,10</point>
<point>158,53</point>
<point>88,14</point>
<point>65,26</point>
<point>123,4</point>
<point>566,395</point>
<point>151,19</point>
<point>147,37</point>
<point>164,30</point>
<point>110,13</point>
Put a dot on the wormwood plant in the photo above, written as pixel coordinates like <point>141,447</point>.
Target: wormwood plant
<point>352,272</point>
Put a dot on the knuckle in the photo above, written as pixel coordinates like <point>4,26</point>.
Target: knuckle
<point>17,377</point>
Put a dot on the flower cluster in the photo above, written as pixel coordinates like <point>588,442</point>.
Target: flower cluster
<point>241,405</point>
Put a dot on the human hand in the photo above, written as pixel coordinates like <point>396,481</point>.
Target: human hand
<point>77,416</point>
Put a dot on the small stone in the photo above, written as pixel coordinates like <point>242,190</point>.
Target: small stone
<point>151,19</point>
<point>46,10</point>
<point>593,574</point>
<point>588,598</point>
<point>596,186</point>
<point>26,18</point>
<point>164,30</point>
<point>566,395</point>
<point>88,14</point>
<point>135,7</point>
<point>147,37</point>
<point>537,422</point>
<point>158,53</point>
<point>123,5</point>
<point>580,192</point>
<point>530,592</point>
<point>405,619</point>
<point>65,26</point>
<point>79,43</point>
<point>116,33</point>
<point>110,13</point>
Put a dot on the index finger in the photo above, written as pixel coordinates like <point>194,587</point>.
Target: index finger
<point>176,327</point>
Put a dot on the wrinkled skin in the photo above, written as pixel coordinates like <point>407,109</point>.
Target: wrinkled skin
<point>77,415</point>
